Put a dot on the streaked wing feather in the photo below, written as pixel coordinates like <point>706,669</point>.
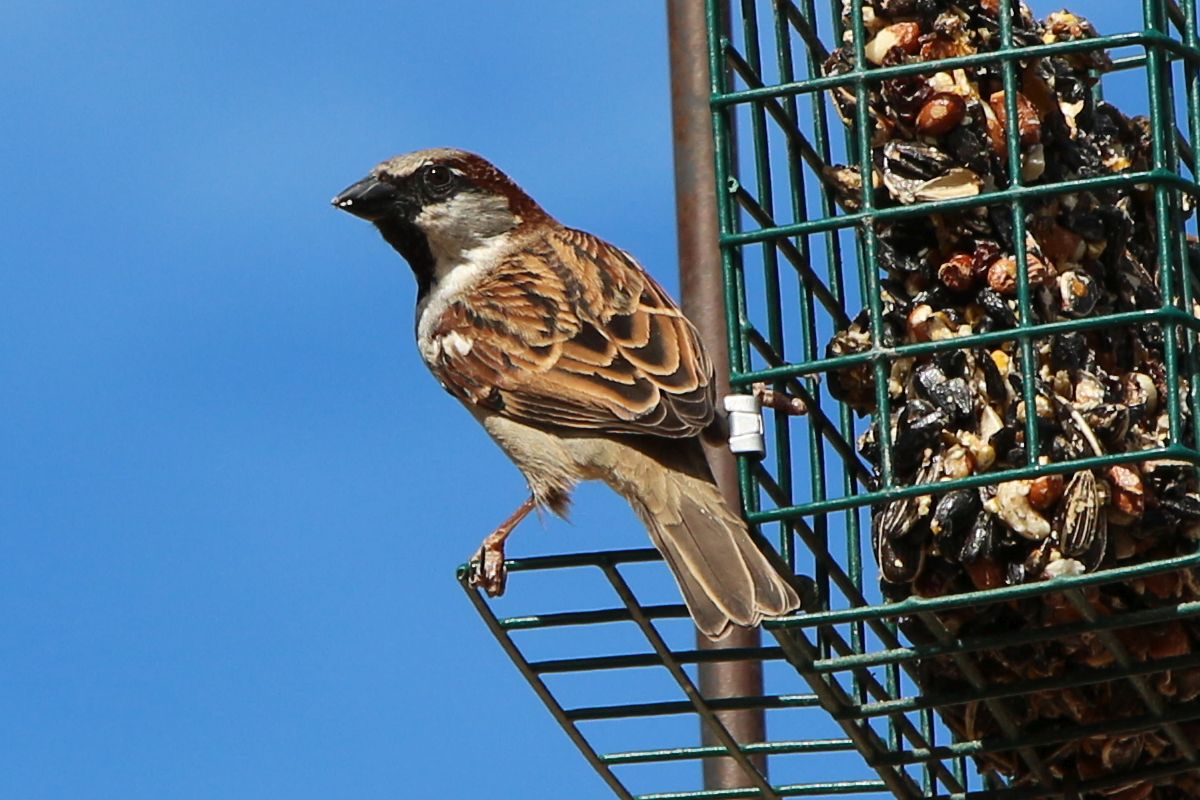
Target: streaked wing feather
<point>573,333</point>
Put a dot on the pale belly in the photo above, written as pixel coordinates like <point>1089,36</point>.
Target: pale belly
<point>648,472</point>
<point>552,464</point>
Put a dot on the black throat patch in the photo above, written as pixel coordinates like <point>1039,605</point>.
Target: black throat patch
<point>410,242</point>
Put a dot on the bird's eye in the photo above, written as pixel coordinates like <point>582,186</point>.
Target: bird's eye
<point>438,178</point>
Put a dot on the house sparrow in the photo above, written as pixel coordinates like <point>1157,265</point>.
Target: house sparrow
<point>577,364</point>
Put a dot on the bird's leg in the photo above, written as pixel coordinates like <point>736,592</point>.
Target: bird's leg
<point>487,565</point>
<point>780,401</point>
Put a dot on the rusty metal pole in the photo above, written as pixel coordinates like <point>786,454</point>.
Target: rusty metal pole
<point>703,295</point>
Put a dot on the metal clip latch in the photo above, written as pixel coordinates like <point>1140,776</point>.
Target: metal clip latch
<point>746,427</point>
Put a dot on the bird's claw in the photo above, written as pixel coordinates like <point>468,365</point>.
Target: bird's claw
<point>488,570</point>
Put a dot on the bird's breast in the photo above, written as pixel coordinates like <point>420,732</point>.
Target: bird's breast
<point>454,278</point>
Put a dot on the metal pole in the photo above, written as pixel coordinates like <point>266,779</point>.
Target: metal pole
<point>702,293</point>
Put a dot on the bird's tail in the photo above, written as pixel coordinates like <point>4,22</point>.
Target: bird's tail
<point>725,578</point>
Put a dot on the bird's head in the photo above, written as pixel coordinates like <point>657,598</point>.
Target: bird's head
<point>435,205</point>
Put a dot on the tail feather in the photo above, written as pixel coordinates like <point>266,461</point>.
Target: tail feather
<point>724,577</point>
<point>709,617</point>
<point>776,596</point>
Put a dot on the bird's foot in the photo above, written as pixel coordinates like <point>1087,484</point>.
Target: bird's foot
<point>488,570</point>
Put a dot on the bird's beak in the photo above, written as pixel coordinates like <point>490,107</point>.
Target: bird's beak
<point>370,199</point>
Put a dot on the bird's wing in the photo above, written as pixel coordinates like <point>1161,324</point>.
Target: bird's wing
<point>572,333</point>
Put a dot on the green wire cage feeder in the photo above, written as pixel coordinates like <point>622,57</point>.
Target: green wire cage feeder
<point>960,235</point>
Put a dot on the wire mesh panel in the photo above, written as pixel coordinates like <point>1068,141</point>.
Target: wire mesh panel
<point>617,667</point>
<point>975,271</point>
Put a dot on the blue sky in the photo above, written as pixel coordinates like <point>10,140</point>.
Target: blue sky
<point>233,500</point>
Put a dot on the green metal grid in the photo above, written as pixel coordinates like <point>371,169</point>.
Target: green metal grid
<point>623,638</point>
<point>846,713</point>
<point>757,106</point>
<point>747,219</point>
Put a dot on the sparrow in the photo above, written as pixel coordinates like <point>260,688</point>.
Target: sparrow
<point>576,363</point>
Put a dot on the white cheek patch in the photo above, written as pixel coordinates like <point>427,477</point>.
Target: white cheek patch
<point>463,222</point>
